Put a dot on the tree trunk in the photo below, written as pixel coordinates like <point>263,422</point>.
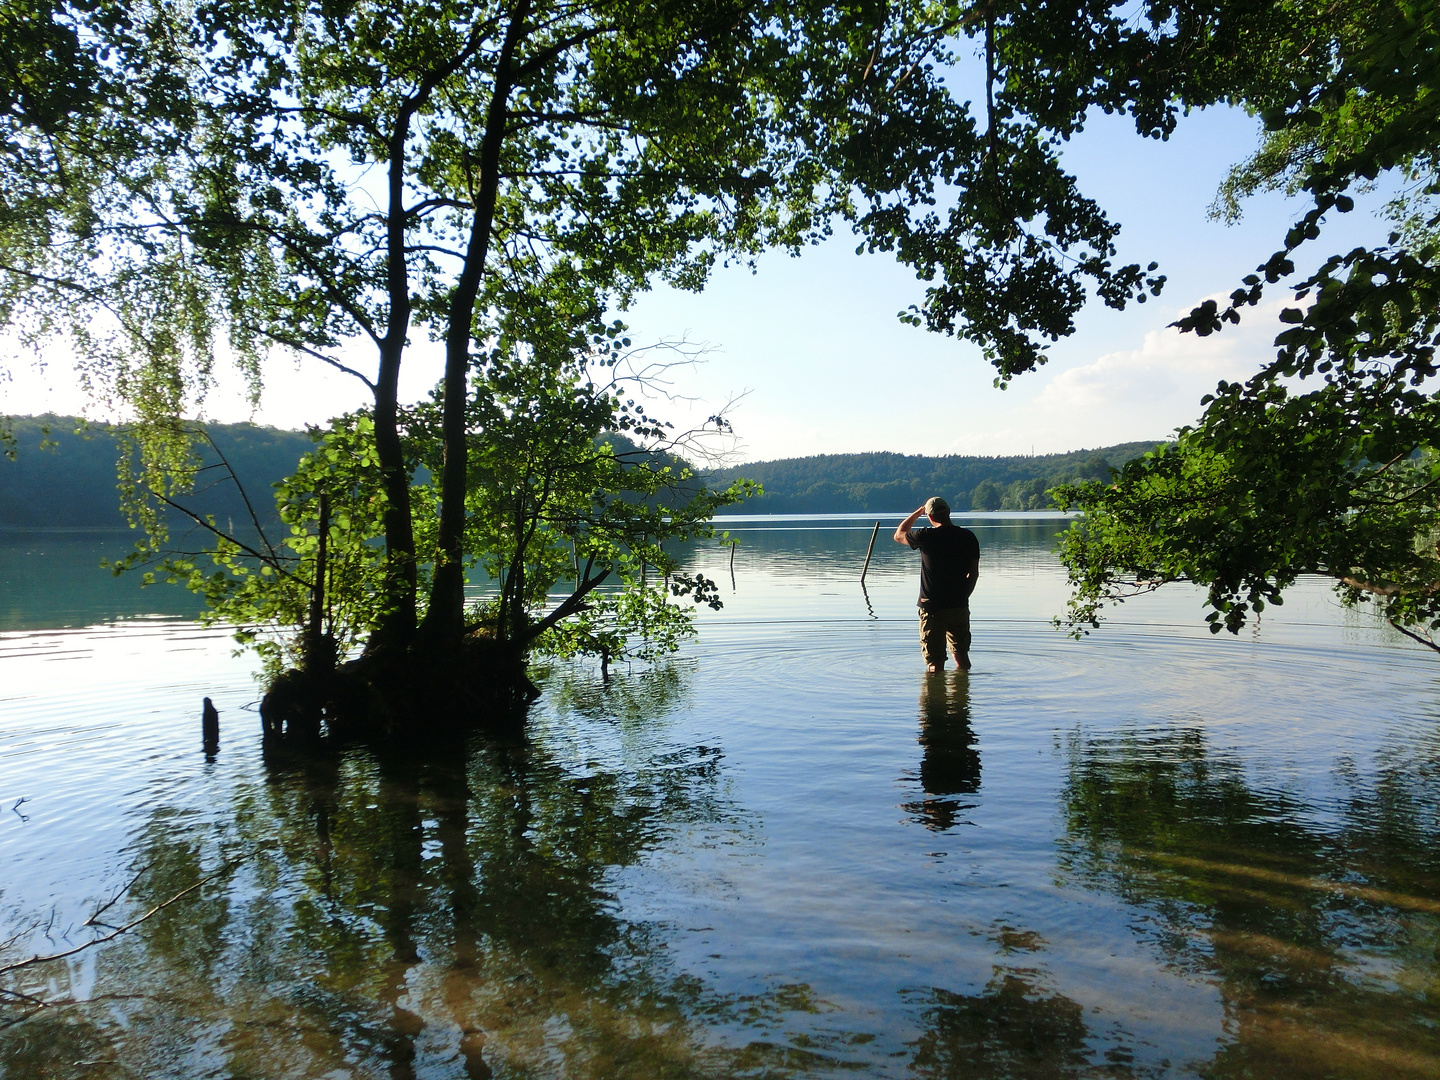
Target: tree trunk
<point>445,617</point>
<point>397,624</point>
<point>320,646</point>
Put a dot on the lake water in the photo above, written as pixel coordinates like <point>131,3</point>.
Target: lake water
<point>788,852</point>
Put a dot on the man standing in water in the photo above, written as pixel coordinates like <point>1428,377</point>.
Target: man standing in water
<point>949,568</point>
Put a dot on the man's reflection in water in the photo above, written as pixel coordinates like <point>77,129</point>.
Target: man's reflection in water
<point>950,765</point>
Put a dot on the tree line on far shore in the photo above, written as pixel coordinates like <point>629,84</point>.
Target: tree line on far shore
<point>883,482</point>
<point>61,479</point>
<point>64,474</point>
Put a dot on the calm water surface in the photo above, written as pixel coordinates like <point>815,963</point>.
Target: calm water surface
<point>788,852</point>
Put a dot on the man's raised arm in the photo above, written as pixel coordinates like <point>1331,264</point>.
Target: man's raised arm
<point>906,525</point>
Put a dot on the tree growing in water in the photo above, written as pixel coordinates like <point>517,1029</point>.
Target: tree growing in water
<point>573,488</point>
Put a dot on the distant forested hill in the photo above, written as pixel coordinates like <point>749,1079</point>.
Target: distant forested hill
<point>72,481</point>
<point>889,482</point>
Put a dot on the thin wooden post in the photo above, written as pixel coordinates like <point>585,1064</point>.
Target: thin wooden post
<point>210,727</point>
<point>868,551</point>
<point>732,565</point>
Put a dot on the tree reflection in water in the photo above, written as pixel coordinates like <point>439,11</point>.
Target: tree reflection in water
<point>638,698</point>
<point>1012,1029</point>
<point>950,764</point>
<point>456,914</point>
<point>1310,926</point>
<point>446,914</point>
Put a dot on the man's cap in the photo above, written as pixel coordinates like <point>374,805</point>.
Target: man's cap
<point>936,506</point>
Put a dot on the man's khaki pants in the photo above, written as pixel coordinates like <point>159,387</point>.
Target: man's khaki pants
<point>942,626</point>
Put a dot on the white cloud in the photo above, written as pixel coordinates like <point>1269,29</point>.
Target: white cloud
<point>1169,369</point>
<point>1128,394</point>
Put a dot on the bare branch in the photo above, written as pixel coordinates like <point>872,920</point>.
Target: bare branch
<point>317,355</point>
<point>931,38</point>
<point>244,496</point>
<point>412,248</point>
<point>270,560</point>
<point>550,52</point>
<point>67,284</point>
<point>570,605</point>
<point>31,998</point>
<point>1427,642</point>
<point>225,868</point>
<point>94,919</point>
<point>351,117</point>
<point>302,254</point>
<point>437,202</point>
<point>1401,498</point>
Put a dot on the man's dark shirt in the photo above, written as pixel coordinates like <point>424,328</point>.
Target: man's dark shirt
<point>946,553</point>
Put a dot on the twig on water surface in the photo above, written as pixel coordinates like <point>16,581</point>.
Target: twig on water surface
<point>13,938</point>
<point>16,808</point>
<point>31,998</point>
<point>39,1004</point>
<point>94,919</point>
<point>24,1016</point>
<point>117,931</point>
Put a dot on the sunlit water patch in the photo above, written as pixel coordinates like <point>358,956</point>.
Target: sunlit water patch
<point>788,852</point>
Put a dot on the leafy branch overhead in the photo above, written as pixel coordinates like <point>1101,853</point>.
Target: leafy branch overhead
<point>331,179</point>
<point>1324,461</point>
<point>289,168</point>
<point>326,178</point>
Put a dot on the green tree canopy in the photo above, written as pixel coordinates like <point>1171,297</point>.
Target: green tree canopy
<point>574,493</point>
<point>1325,460</point>
<point>503,176</point>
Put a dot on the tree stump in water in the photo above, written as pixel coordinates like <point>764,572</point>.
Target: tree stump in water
<point>210,727</point>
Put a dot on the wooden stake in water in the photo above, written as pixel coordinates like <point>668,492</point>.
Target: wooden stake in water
<point>868,551</point>
<point>209,728</point>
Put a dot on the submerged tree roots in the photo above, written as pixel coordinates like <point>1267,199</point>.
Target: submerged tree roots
<point>399,694</point>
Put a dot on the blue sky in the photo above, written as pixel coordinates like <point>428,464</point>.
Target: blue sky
<point>813,350</point>
<point>829,368</point>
